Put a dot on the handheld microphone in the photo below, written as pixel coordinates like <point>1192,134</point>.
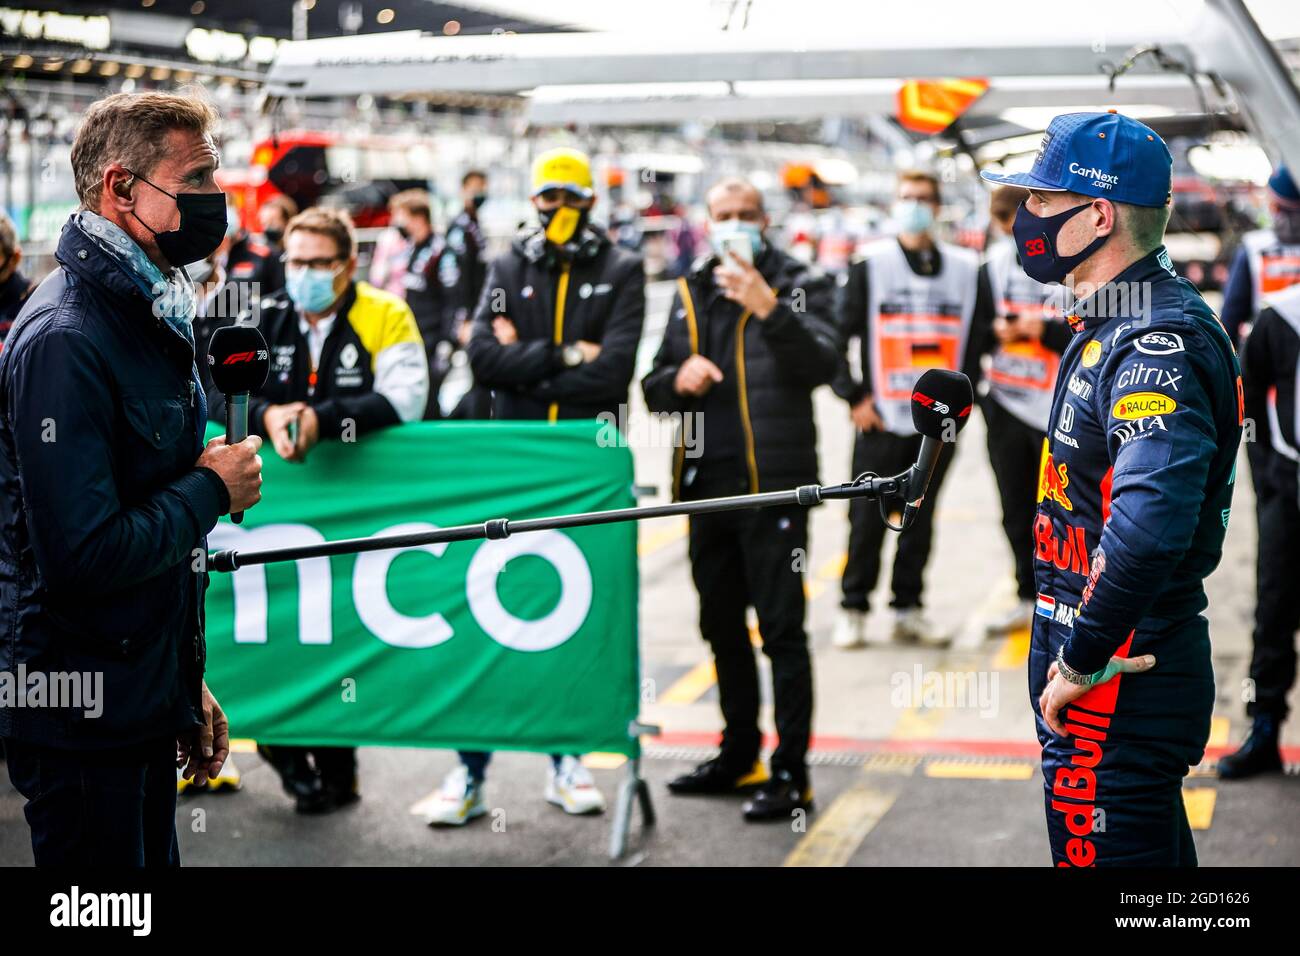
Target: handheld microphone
<point>238,360</point>
<point>941,407</point>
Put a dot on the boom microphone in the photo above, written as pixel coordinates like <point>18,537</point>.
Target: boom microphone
<point>239,361</point>
<point>941,406</point>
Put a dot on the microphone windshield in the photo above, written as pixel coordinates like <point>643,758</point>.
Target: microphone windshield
<point>238,359</point>
<point>940,397</point>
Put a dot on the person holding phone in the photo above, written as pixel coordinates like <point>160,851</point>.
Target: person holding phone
<point>750,335</point>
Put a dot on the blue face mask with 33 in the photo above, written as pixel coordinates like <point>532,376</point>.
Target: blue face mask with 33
<point>312,290</point>
<point>728,229</point>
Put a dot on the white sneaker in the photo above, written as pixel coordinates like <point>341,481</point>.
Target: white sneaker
<point>458,800</point>
<point>1017,617</point>
<point>571,788</point>
<point>911,627</point>
<point>850,630</point>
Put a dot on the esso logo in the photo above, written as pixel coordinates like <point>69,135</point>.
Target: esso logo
<point>1160,343</point>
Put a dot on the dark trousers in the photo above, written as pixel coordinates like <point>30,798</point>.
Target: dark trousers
<point>888,454</point>
<point>114,808</point>
<point>1015,452</point>
<point>744,558</point>
<point>476,762</point>
<point>1113,785</point>
<point>1277,613</point>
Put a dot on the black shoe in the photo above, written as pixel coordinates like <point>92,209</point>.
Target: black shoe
<point>1259,754</point>
<point>778,798</point>
<point>717,777</point>
<point>297,776</point>
<point>327,799</point>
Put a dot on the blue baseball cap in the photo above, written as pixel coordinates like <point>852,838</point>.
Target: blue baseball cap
<point>1099,154</point>
<point>1283,185</point>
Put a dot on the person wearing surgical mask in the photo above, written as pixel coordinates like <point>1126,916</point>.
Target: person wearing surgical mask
<point>750,335</point>
<point>346,360</point>
<point>911,301</point>
<point>554,336</point>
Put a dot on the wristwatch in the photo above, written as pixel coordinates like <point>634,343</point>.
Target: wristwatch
<point>572,355</point>
<point>1070,674</point>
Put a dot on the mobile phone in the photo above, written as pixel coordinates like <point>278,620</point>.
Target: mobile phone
<point>741,247</point>
<point>293,431</point>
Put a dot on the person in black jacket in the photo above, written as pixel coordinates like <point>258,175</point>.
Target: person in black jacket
<point>557,326</point>
<point>462,270</point>
<point>555,336</point>
<point>109,493</point>
<point>745,346</point>
<point>1269,365</point>
<point>14,286</point>
<point>412,217</point>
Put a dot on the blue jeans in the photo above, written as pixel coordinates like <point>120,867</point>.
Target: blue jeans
<point>99,807</point>
<point>476,762</point>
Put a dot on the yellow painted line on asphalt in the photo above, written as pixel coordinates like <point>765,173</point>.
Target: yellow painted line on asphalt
<point>1014,651</point>
<point>837,833</point>
<point>968,770</point>
<point>1199,802</point>
<point>242,745</point>
<point>917,723</point>
<point>1219,729</point>
<point>899,765</point>
<point>692,685</point>
<point>603,761</point>
<point>662,537</point>
<point>833,569</point>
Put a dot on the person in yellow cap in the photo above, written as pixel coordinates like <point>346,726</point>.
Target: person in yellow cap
<point>554,336</point>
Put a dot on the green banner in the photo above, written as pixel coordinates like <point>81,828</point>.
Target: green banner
<point>528,643</point>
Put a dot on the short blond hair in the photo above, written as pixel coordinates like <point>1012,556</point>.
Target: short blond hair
<point>129,128</point>
<point>325,221</point>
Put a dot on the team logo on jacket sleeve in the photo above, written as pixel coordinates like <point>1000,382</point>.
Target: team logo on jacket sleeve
<point>1143,404</point>
<point>1160,343</point>
<point>1091,353</point>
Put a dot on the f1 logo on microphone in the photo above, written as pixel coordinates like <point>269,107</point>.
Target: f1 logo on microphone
<point>925,400</point>
<point>237,358</point>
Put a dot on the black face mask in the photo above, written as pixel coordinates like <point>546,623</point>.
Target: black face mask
<point>477,200</point>
<point>273,236</point>
<point>203,225</point>
<point>1286,226</point>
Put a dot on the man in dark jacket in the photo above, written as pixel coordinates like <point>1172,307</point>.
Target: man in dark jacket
<point>1270,364</point>
<point>555,336</point>
<point>462,269</point>
<point>749,337</point>
<point>556,330</point>
<point>108,494</point>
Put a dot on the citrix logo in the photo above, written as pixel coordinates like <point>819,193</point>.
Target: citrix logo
<point>1154,376</point>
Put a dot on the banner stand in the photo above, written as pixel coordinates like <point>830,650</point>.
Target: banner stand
<point>633,789</point>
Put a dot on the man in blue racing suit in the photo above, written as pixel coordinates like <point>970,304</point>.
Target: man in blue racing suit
<point>1134,494</point>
